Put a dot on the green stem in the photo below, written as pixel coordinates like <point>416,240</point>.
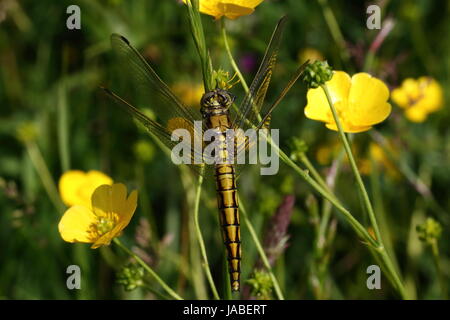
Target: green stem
<point>354,167</point>
<point>260,249</point>
<point>196,272</point>
<point>201,242</point>
<point>326,210</point>
<point>172,293</point>
<point>44,174</point>
<point>63,117</point>
<point>230,56</point>
<point>63,132</point>
<point>437,263</point>
<point>360,230</point>
<point>237,71</point>
<point>304,159</point>
<point>380,248</point>
<point>160,295</point>
<point>199,40</point>
<point>226,283</point>
<point>335,31</point>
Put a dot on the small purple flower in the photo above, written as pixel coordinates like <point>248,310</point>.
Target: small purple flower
<point>247,63</point>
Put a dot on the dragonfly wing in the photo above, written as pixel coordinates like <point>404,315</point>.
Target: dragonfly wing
<point>248,113</point>
<point>266,115</point>
<point>247,146</point>
<point>150,84</point>
<point>164,134</point>
<point>171,113</point>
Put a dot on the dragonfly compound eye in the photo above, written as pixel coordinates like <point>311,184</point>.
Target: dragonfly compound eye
<point>208,99</point>
<point>225,98</point>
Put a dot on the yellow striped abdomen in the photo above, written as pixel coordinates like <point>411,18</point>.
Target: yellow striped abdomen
<point>229,219</point>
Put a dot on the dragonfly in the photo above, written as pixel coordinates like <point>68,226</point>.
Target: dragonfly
<point>216,113</point>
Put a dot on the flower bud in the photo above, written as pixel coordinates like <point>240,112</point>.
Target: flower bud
<point>429,231</point>
<point>131,277</point>
<point>317,73</point>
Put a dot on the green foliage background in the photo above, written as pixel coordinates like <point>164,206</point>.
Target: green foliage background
<point>49,89</point>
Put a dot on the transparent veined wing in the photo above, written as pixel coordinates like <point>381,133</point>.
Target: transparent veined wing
<point>165,103</point>
<point>252,112</point>
<point>170,112</point>
<point>267,113</point>
<point>249,111</point>
<point>245,145</point>
<point>165,134</point>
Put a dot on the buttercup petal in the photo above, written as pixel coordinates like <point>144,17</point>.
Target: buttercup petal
<point>106,239</point>
<point>367,104</point>
<point>129,208</point>
<point>339,87</point>
<point>411,88</point>
<point>76,187</point>
<point>76,225</point>
<point>113,199</point>
<point>348,127</point>
<point>400,97</point>
<point>244,3</point>
<point>317,107</point>
<point>433,96</point>
<point>109,199</point>
<point>231,9</point>
<point>416,114</point>
<point>69,184</point>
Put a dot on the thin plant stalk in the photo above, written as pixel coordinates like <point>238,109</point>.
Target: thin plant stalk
<point>230,56</point>
<point>380,248</point>
<point>63,117</point>
<point>196,272</point>
<point>326,210</point>
<point>360,184</point>
<point>304,159</point>
<point>44,174</point>
<point>260,249</point>
<point>437,263</point>
<point>201,242</point>
<point>335,31</point>
<point>147,268</point>
<point>200,43</point>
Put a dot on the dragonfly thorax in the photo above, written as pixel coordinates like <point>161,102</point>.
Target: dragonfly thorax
<point>216,102</point>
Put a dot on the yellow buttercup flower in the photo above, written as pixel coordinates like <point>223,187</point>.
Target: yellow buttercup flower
<point>232,9</point>
<point>76,187</point>
<point>360,101</point>
<point>106,217</point>
<point>419,97</point>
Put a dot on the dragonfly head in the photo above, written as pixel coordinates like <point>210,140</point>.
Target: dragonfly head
<point>216,101</point>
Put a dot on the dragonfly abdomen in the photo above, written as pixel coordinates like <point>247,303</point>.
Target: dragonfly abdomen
<point>227,201</point>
